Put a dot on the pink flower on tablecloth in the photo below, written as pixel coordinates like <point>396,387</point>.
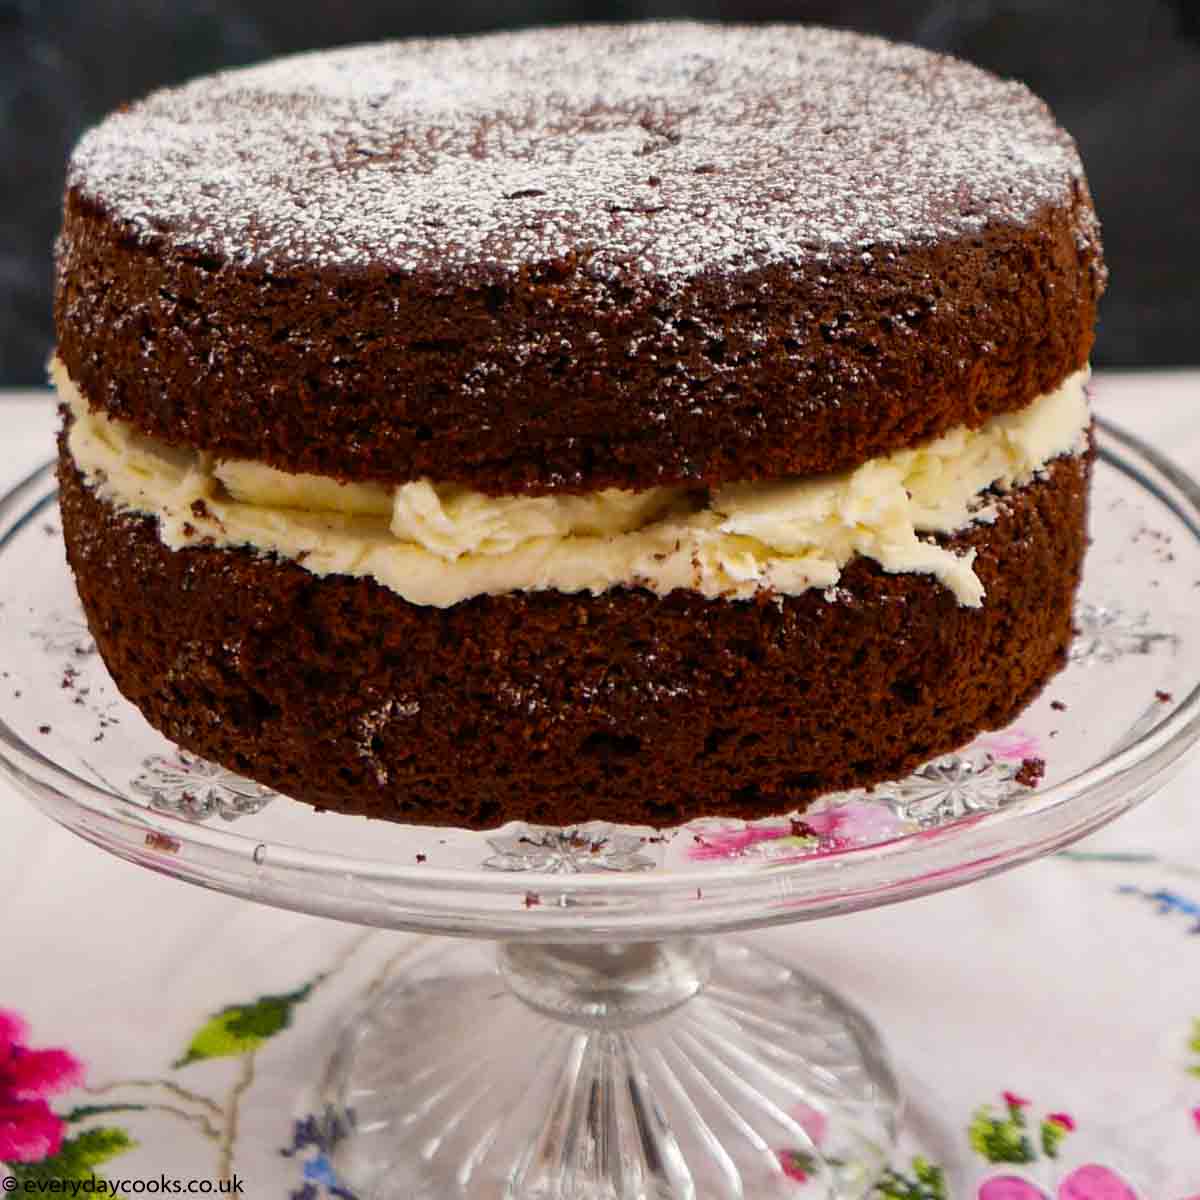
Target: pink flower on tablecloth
<point>29,1129</point>
<point>798,1165</point>
<point>828,831</point>
<point>1007,1139</point>
<point>1011,745</point>
<point>856,823</point>
<point>1196,1119</point>
<point>1091,1182</point>
<point>1094,1182</point>
<point>733,843</point>
<point>814,1122</point>
<point>795,1166</point>
<point>1010,1187</point>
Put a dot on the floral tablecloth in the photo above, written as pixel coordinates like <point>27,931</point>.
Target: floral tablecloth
<point>1045,1024</point>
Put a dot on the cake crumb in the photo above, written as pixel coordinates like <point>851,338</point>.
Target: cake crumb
<point>532,900</point>
<point>43,729</point>
<point>1163,697</point>
<point>1031,772</point>
<point>420,858</point>
<point>1058,706</point>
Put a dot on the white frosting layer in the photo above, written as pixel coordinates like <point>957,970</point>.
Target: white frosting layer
<point>438,544</point>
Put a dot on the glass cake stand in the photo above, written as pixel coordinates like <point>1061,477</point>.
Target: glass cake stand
<point>619,1044</point>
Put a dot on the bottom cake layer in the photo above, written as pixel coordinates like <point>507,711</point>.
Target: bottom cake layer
<point>556,708</point>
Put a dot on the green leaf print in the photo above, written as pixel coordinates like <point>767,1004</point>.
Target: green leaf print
<point>77,1158</point>
<point>1194,1047</point>
<point>93,1110</point>
<point>927,1182</point>
<point>1000,1140</point>
<point>797,1164</point>
<point>1053,1135</point>
<point>241,1028</point>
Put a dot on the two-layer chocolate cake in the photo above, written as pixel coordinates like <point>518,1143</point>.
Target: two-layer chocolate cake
<point>623,422</point>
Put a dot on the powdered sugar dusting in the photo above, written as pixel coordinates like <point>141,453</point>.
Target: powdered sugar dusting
<point>659,148</point>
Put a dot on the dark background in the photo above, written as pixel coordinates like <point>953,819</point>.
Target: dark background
<point>1122,75</point>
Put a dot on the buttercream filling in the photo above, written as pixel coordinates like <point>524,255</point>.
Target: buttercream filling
<point>438,544</point>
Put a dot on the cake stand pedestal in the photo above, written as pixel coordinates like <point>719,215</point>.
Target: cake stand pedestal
<point>693,1067</point>
<point>595,1033</point>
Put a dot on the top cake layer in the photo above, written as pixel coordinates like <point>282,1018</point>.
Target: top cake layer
<point>578,258</point>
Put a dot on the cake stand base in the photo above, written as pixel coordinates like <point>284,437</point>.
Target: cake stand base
<point>696,1069</point>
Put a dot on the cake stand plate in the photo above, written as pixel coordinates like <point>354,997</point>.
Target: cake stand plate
<point>609,1050</point>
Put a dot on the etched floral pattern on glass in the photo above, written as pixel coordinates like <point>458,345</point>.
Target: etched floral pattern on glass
<point>197,789</point>
<point>953,786</point>
<point>595,846</point>
<point>1105,634</point>
<point>66,633</point>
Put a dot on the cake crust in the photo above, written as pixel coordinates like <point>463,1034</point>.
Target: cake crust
<point>558,708</point>
<point>770,251</point>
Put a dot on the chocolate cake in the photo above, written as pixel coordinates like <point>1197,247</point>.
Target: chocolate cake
<point>632,422</point>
